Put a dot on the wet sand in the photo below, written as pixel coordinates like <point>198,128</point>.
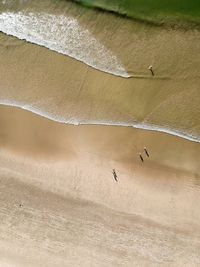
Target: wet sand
<point>72,211</point>
<point>69,90</point>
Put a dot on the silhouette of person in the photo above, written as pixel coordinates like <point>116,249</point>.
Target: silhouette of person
<point>141,157</point>
<point>145,150</point>
<point>151,70</point>
<point>115,175</point>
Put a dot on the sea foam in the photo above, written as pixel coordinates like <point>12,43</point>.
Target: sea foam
<point>63,34</point>
<point>76,121</point>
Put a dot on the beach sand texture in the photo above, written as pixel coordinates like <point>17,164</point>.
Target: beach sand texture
<point>73,212</point>
<point>59,202</point>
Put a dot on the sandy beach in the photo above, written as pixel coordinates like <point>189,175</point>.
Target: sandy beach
<point>77,100</point>
<point>60,205</point>
<point>72,91</point>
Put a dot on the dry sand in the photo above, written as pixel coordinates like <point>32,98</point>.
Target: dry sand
<point>73,213</point>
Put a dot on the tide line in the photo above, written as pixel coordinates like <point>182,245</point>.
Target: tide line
<point>76,122</point>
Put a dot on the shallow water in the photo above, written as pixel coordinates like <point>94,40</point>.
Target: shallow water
<point>69,91</point>
<point>151,216</point>
<point>61,32</point>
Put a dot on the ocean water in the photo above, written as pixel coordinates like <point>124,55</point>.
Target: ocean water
<point>107,80</point>
<point>155,11</point>
<point>64,35</point>
<point>77,121</point>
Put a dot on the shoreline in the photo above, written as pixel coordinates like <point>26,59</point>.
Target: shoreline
<point>75,122</point>
<point>82,183</point>
<point>109,146</point>
<point>65,90</point>
<point>60,204</point>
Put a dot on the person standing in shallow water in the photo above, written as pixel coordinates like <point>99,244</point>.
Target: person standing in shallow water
<point>151,70</point>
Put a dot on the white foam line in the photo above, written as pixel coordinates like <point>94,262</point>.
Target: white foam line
<point>73,121</point>
<point>63,34</point>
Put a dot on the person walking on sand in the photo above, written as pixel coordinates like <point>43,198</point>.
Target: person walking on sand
<point>151,70</point>
<point>145,150</point>
<point>141,157</point>
<point>115,175</point>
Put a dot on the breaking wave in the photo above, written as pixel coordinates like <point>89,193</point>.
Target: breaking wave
<point>63,34</point>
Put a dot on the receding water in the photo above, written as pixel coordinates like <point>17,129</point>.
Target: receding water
<point>71,91</point>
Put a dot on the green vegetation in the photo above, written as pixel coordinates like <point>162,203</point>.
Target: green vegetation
<point>156,11</point>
